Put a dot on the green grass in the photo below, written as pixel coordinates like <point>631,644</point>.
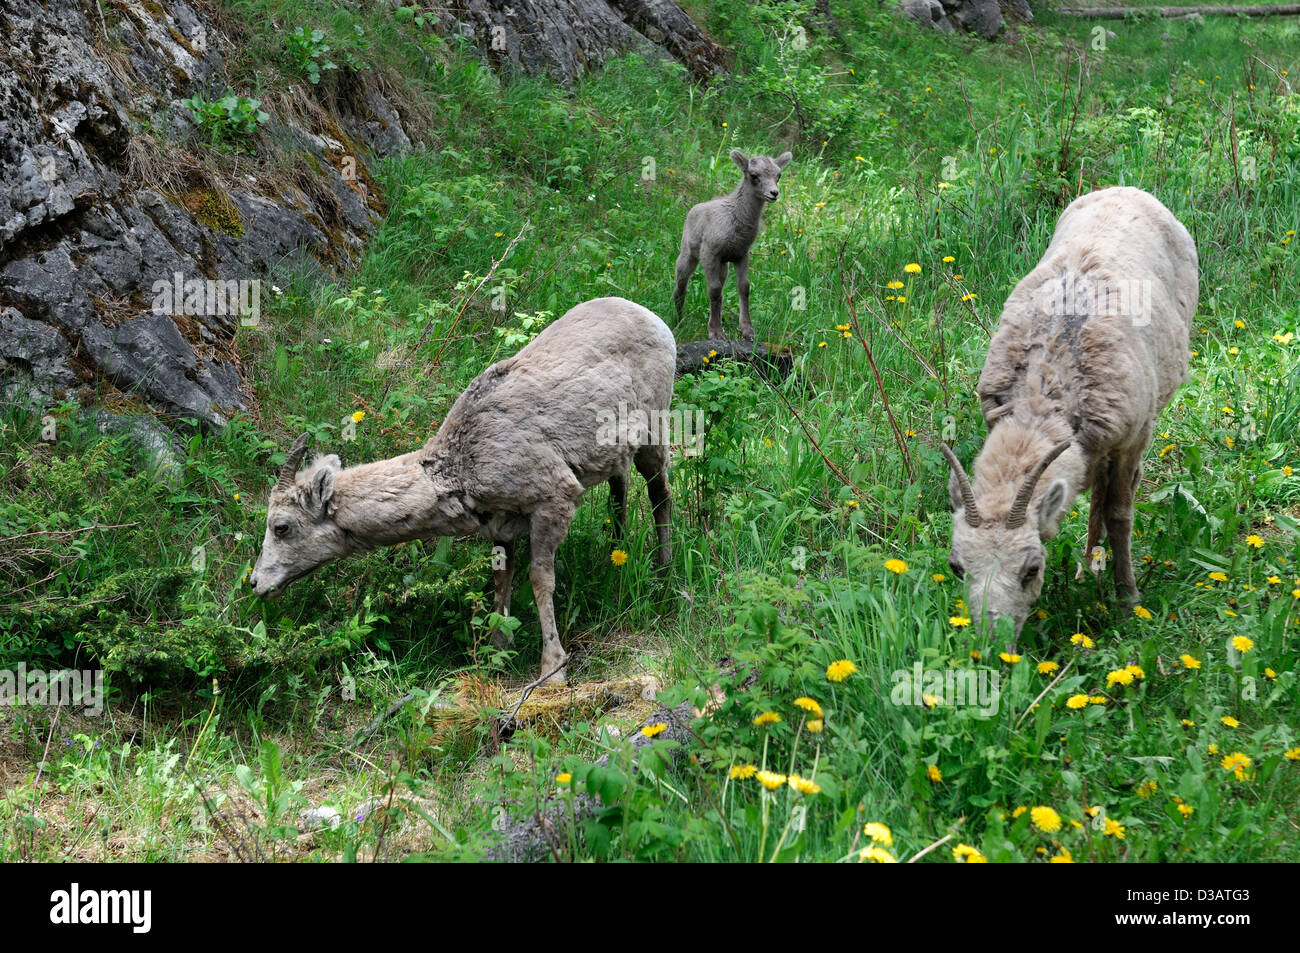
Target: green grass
<point>780,563</point>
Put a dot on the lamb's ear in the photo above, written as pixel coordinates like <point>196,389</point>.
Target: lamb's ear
<point>1051,509</point>
<point>783,159</point>
<point>320,491</point>
<point>740,159</point>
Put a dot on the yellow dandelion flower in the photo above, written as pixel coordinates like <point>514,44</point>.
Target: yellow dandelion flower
<point>1045,819</point>
<point>651,730</point>
<point>1135,670</point>
<point>1062,858</point>
<point>912,268</point>
<point>1189,661</point>
<point>896,566</point>
<point>934,774</point>
<point>938,576</point>
<point>1219,576</point>
<point>767,718</point>
<point>1076,701</point>
<point>1269,673</point>
<point>894,285</point>
<point>1147,788</point>
<point>1082,640</point>
<point>851,504</point>
<point>618,557</point>
<point>1292,754</point>
<point>966,854</point>
<point>1119,677</point>
<point>770,779</point>
<point>1255,540</point>
<point>877,855</point>
<point>742,772</point>
<point>815,726</point>
<point>1142,612</point>
<point>1185,810</point>
<point>1097,699</point>
<point>879,833</point>
<point>563,777</point>
<point>839,671</point>
<point>1187,722</point>
<point>1166,450</point>
<point>1237,763</point>
<point>1230,721</point>
<point>808,705</point>
<point>1213,749</point>
<point>1243,643</point>
<point>1047,668</point>
<point>930,701</point>
<point>1009,658</point>
<point>358,416</point>
<point>948,259</point>
<point>959,621</point>
<point>1114,829</point>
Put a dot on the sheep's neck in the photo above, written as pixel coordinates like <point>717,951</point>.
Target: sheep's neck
<point>746,205</point>
<point>388,502</point>
<point>1016,445</point>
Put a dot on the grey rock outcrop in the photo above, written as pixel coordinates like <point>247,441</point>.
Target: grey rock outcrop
<point>982,17</point>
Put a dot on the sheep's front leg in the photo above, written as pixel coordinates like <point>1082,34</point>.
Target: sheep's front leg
<point>548,527</point>
<point>715,274</point>
<point>1119,522</point>
<point>503,575</point>
<point>618,503</point>
<point>1097,513</point>
<point>742,288</point>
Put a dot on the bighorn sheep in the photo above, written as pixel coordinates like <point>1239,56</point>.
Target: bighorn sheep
<point>1091,345</point>
<point>720,232</point>
<point>515,454</point>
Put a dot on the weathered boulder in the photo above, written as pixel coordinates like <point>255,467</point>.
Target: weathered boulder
<point>982,17</point>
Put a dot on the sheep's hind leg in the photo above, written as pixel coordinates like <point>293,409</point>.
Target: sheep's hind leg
<point>503,575</point>
<point>715,274</point>
<point>548,527</point>
<point>742,288</point>
<point>686,263</point>
<point>652,463</point>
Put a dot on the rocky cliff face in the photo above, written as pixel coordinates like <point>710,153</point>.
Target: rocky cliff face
<point>130,252</point>
<point>105,200</point>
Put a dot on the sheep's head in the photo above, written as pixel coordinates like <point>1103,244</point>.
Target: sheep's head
<point>1003,560</point>
<point>301,535</point>
<point>762,173</point>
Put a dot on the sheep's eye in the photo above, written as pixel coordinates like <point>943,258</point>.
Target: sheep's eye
<point>1029,573</point>
<point>754,179</point>
<point>281,530</point>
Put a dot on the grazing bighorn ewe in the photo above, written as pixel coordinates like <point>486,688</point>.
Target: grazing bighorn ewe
<point>516,453</point>
<point>1092,344</point>
<point>720,232</point>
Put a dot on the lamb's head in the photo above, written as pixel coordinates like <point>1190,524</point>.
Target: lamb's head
<point>762,173</point>
<point>301,534</point>
<point>1003,559</point>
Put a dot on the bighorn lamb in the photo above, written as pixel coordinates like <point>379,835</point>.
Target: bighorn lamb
<point>720,232</point>
<point>1092,344</point>
<point>516,453</point>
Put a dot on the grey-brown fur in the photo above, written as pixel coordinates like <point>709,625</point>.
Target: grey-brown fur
<point>720,232</point>
<point>1067,369</point>
<point>514,456</point>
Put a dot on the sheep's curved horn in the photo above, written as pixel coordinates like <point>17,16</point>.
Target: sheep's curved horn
<point>967,494</point>
<point>1020,506</point>
<point>291,461</point>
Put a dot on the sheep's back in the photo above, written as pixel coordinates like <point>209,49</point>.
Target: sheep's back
<point>528,422</point>
<point>1108,373</point>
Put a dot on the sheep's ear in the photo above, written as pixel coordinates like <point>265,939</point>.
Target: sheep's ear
<point>320,491</point>
<point>1051,508</point>
<point>740,159</point>
<point>783,159</point>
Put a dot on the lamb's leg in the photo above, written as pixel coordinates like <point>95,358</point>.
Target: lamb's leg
<point>715,274</point>
<point>618,503</point>
<point>547,528</point>
<point>1097,513</point>
<point>1119,521</point>
<point>652,463</point>
<point>686,263</point>
<point>503,576</point>
<point>742,287</point>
